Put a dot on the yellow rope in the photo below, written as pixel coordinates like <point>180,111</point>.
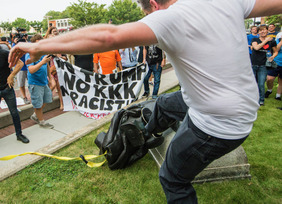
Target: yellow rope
<point>84,158</point>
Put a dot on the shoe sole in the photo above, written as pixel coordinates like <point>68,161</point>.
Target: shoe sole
<point>47,127</point>
<point>22,141</point>
<point>50,127</point>
<point>145,96</point>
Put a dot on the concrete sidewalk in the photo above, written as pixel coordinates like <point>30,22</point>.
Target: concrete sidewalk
<point>69,127</point>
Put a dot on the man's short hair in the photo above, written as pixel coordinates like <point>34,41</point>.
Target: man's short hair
<point>36,37</point>
<point>271,24</point>
<point>145,4</point>
<point>261,27</point>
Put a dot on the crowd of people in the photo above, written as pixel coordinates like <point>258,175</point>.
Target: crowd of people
<point>42,78</point>
<point>266,58</point>
<point>219,96</point>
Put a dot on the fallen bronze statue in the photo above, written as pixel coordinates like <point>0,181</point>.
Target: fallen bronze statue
<point>127,139</point>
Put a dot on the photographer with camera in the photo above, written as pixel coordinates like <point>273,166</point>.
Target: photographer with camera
<point>21,36</point>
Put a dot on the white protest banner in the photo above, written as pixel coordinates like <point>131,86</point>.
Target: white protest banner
<point>97,95</point>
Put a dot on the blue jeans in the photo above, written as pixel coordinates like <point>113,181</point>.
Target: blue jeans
<point>190,151</point>
<point>9,96</point>
<point>157,71</point>
<point>260,73</point>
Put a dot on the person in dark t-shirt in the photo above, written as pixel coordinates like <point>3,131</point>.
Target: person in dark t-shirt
<point>155,59</point>
<point>264,48</point>
<point>7,91</point>
<point>84,62</point>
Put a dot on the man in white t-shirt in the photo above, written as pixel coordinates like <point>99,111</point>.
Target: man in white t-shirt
<point>214,72</point>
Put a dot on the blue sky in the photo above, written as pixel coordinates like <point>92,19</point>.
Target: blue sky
<point>35,9</point>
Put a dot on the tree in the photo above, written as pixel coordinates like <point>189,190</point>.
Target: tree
<point>124,12</point>
<point>84,13</point>
<point>248,23</point>
<point>275,19</point>
<point>21,23</point>
<point>6,26</point>
<point>37,25</point>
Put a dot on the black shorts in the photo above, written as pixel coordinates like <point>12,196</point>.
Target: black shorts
<point>275,72</point>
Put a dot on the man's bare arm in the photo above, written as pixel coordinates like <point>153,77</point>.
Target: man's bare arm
<point>257,46</point>
<point>100,38</point>
<point>96,67</point>
<point>10,79</point>
<point>266,8</point>
<point>119,67</point>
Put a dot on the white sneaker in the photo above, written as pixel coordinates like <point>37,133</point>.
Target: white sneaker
<point>34,118</point>
<point>44,124</point>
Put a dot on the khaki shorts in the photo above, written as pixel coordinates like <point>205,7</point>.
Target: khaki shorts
<point>21,78</point>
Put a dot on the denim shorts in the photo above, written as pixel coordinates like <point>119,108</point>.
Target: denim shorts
<point>40,95</point>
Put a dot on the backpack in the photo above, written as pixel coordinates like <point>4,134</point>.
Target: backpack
<point>127,139</point>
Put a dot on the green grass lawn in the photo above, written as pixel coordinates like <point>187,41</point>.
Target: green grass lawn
<point>54,181</point>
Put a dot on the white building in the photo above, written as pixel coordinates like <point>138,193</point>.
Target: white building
<point>62,25</point>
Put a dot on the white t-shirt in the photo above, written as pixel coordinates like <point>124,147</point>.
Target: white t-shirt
<point>205,40</point>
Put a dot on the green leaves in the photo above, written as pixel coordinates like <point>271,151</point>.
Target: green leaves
<point>275,19</point>
<point>124,12</point>
<point>6,26</point>
<point>85,13</point>
<point>20,23</point>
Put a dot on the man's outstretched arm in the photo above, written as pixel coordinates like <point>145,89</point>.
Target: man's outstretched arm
<point>87,40</point>
<point>266,8</point>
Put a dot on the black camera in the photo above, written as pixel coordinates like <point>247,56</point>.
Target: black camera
<point>51,56</point>
<point>20,35</point>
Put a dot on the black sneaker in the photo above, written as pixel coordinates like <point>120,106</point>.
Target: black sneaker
<point>280,108</point>
<point>278,98</point>
<point>261,103</point>
<point>267,93</point>
<point>145,95</point>
<point>23,138</point>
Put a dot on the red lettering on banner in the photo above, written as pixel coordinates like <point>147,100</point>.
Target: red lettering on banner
<point>95,115</point>
<point>73,106</point>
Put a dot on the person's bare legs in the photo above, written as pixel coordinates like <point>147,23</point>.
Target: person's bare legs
<point>39,112</point>
<point>41,121</point>
<point>269,82</point>
<point>60,95</point>
<point>22,89</point>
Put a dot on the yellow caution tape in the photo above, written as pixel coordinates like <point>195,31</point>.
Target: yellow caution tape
<point>84,158</point>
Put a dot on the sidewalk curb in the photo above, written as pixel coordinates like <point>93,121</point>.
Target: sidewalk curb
<point>26,112</point>
<point>68,139</point>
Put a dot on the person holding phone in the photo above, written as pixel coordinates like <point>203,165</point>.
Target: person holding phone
<point>40,93</point>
